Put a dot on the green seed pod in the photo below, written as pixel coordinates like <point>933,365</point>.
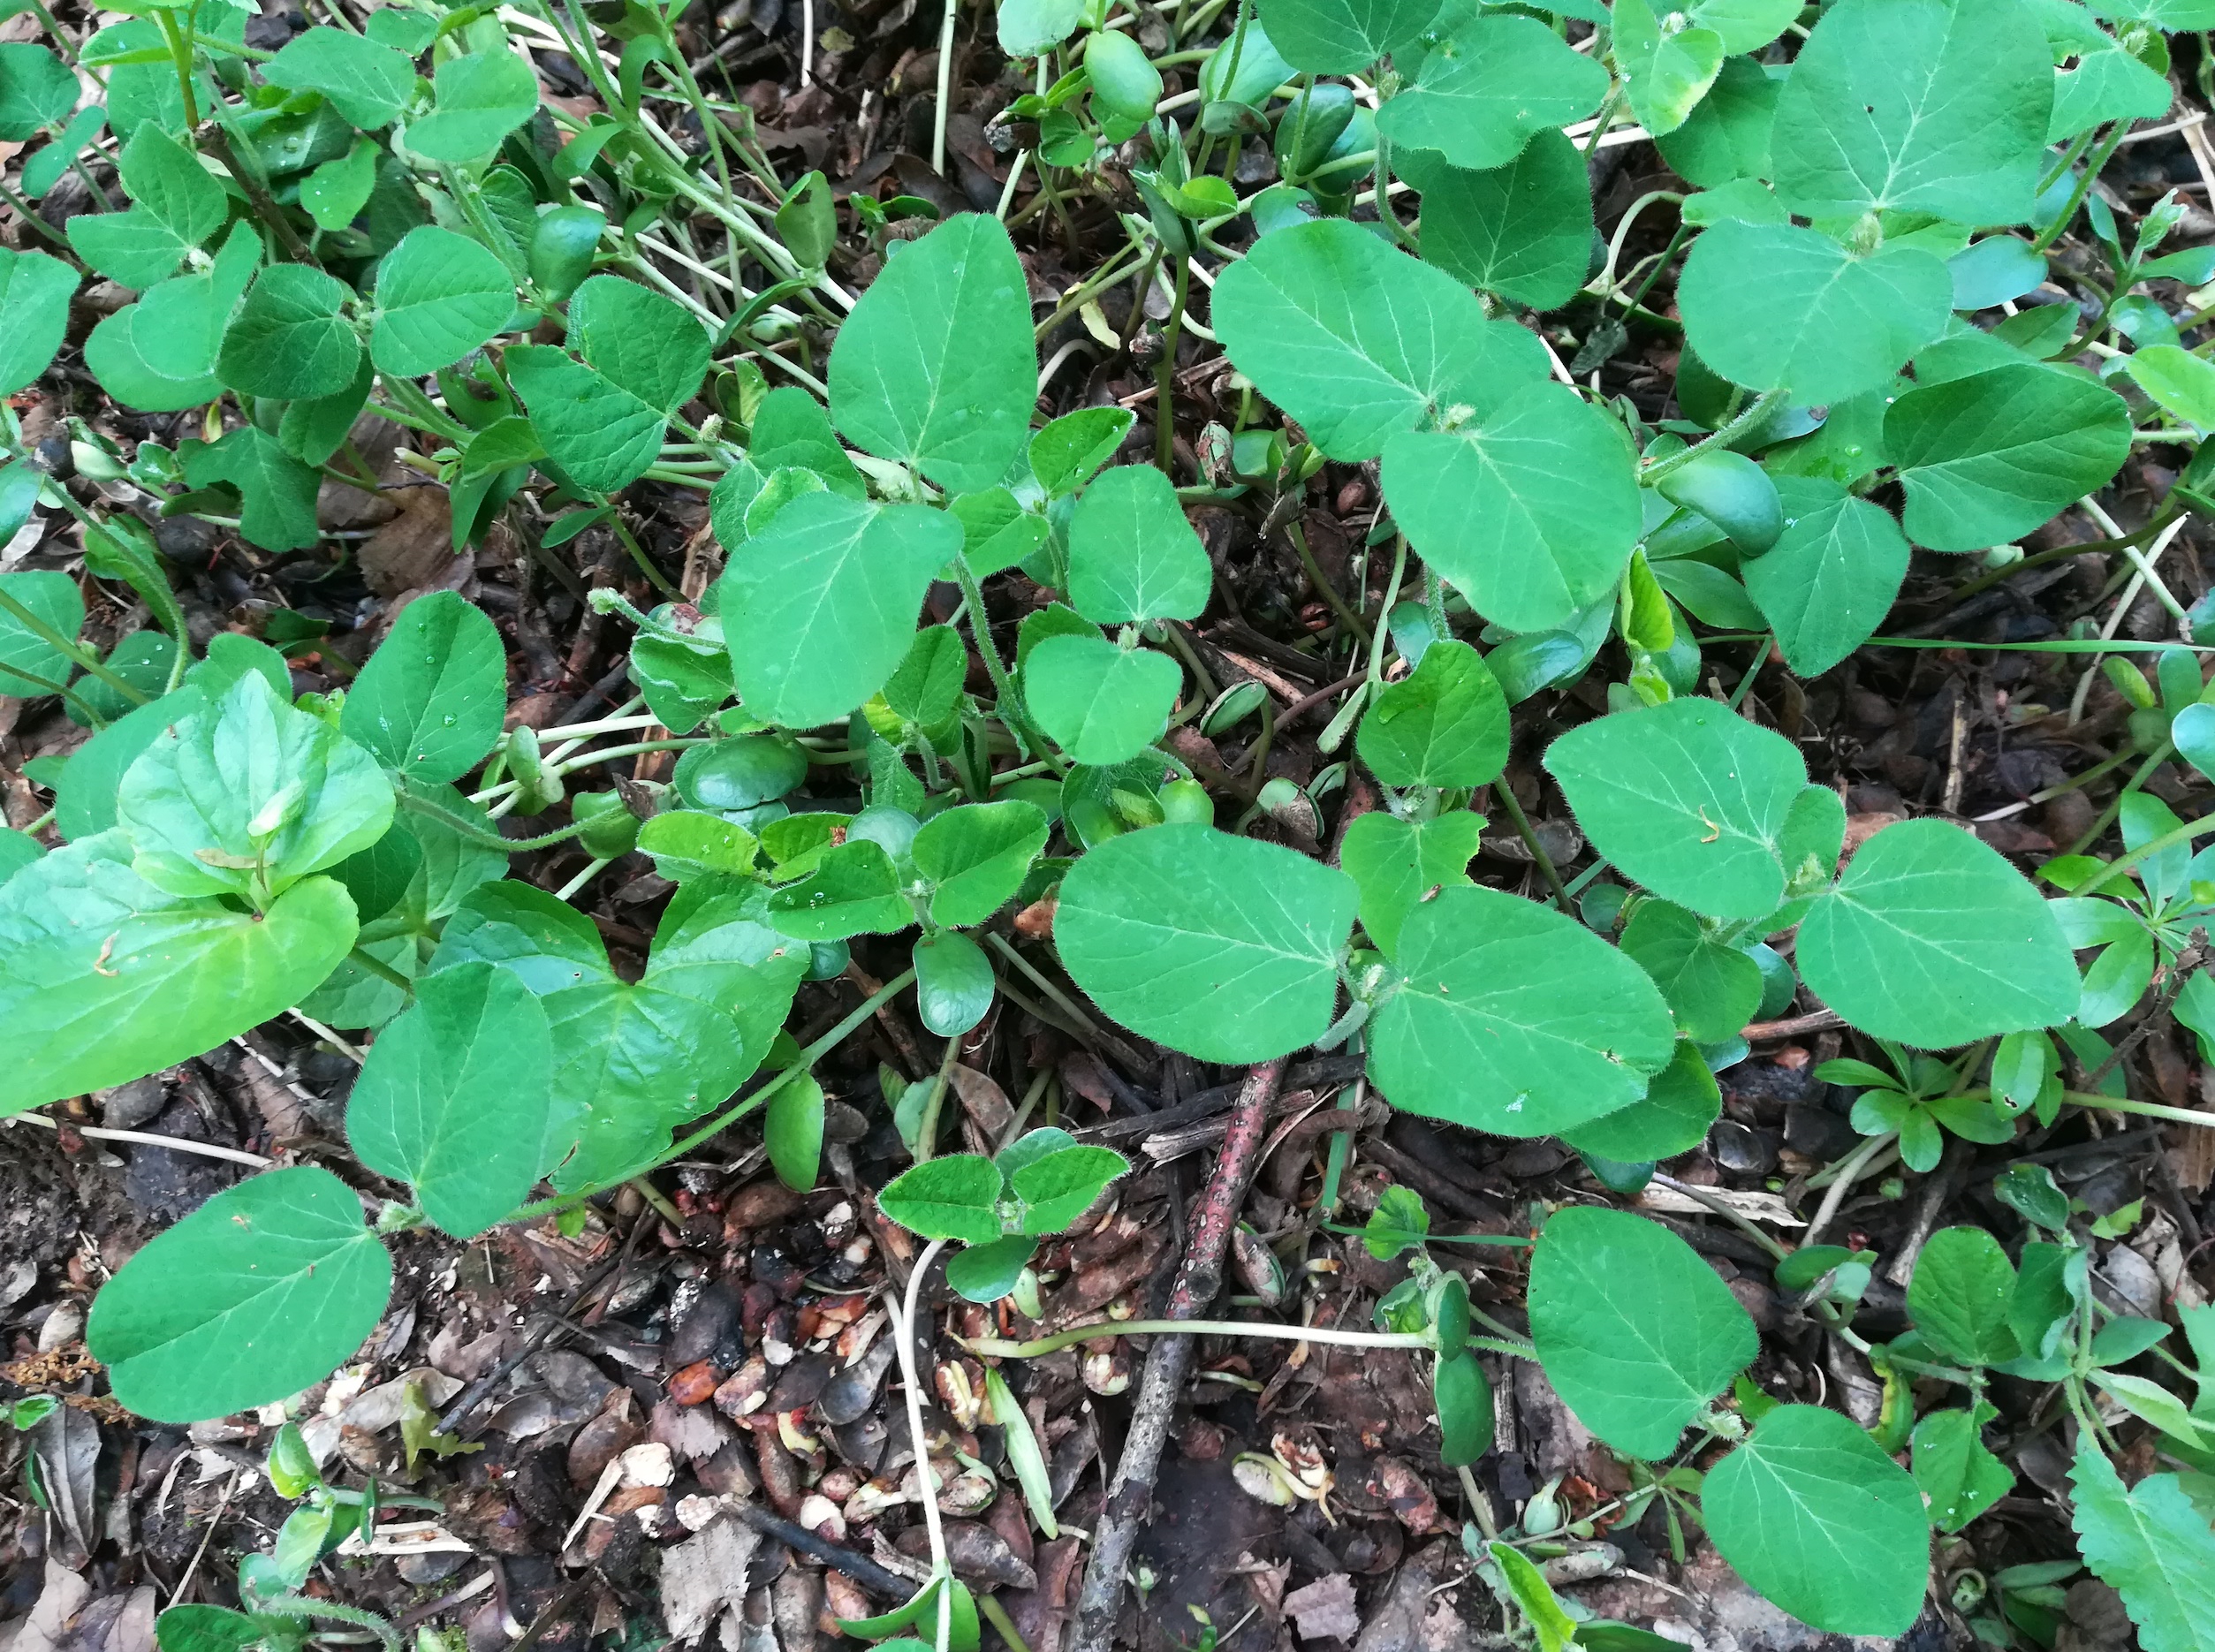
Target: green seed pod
<point>1123,82</point>
<point>2130,681</point>
<point>808,223</point>
<point>1310,124</point>
<point>1184,802</point>
<point>292,1466</point>
<point>1464,1399</point>
<point>562,246</point>
<point>610,827</point>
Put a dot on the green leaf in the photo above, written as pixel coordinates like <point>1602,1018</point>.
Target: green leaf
<point>1774,307</point>
<point>1959,1297</point>
<point>1523,230</point>
<point>639,341</point>
<point>1665,73</point>
<point>2180,383</point>
<point>819,608</point>
<point>1056,1188</point>
<point>1533,1596</point>
<point>1936,106</point>
<point>1527,502</point>
<point>1485,88</point>
<point>1223,948</point>
<point>439,295</point>
<point>791,429</point>
<point>1027,27</point>
<point>976,857</point>
<point>1726,135</point>
<point>368,83</point>
<point>454,1097</point>
<point>1990,456</point>
<point>1098,702</point>
<point>55,598</point>
<point>1831,577</point>
<point>1815,1517</point>
<point>34,294</point>
<point>105,977</point>
<point>480,98</point>
<point>1958,1477</point>
<point>2151,1402</point>
<point>681,685</point>
<point>291,339</point>
<point>957,1197</point>
<point>36,90</point>
<point>602,436</point>
<point>1674,1116</point>
<point>633,1060</point>
<point>1132,553</point>
<point>791,1130</point>
<point>249,795</point>
<point>432,698</point>
<point>854,890</point>
<point>175,332</point>
<point>206,1629</point>
<point>277,490</point>
<point>954,986</point>
<point>546,943</point>
<point>935,366</point>
<point>2151,1544</point>
<point>2107,83</point>
<point>985,1273</point>
<point>1636,1333</point>
<point>336,191</point>
<point>132,248</point>
<point>1398,1225</point>
<point>1688,797</point>
<point>1712,989</point>
<point>1067,451</point>
<point>1397,863</point>
<point>1343,36</point>
<point>261,1291</point>
<point>926,686</point>
<point>1357,341</point>
<point>686,844</point>
<point>166,180</point>
<point>1443,724</point>
<point>1512,1018</point>
<point>1932,938</point>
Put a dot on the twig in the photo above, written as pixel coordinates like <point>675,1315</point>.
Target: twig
<point>1199,1278</point>
<point>860,1568</point>
<point>146,1139</point>
<point>1792,1027</point>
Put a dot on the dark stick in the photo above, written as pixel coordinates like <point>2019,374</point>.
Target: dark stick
<point>1199,1278</point>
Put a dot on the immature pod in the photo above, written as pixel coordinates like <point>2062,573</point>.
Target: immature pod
<point>1310,124</point>
<point>562,247</point>
<point>1124,84</point>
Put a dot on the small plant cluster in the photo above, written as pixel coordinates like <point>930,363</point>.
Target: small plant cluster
<point>391,221</point>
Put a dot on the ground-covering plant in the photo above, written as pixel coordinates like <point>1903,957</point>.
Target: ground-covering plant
<point>391,221</point>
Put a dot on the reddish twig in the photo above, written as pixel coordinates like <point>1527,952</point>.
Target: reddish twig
<point>1199,1278</point>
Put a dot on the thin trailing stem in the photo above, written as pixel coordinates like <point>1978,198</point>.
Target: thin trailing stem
<point>926,1477</point>
<point>1524,829</point>
<point>991,1348</point>
<point>1009,700</point>
<point>1166,376</point>
<point>1753,413</point>
<point>2122,863</point>
<point>2054,231</point>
